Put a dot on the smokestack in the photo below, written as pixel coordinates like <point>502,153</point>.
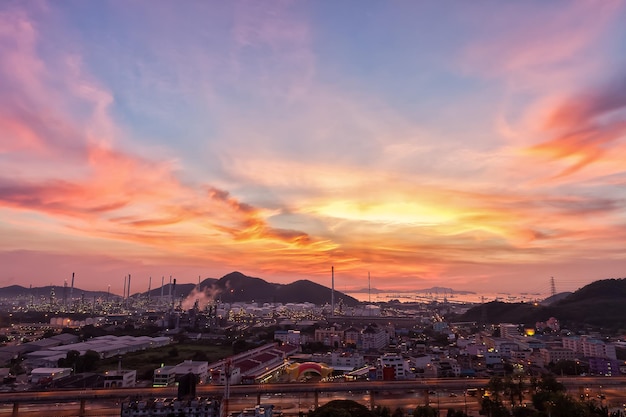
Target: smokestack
<point>149,286</point>
<point>332,292</point>
<point>162,285</point>
<point>64,293</point>
<point>170,289</point>
<point>124,293</point>
<point>128,286</point>
<point>369,287</point>
<point>173,288</point>
<point>72,290</point>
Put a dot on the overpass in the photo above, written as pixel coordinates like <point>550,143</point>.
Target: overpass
<point>372,387</point>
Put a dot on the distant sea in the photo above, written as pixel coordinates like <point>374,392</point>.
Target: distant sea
<point>450,297</point>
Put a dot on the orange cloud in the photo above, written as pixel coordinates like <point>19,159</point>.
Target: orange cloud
<point>586,128</point>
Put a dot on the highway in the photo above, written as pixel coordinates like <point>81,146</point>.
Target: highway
<point>298,396</point>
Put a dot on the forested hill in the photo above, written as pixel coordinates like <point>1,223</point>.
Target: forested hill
<point>600,303</point>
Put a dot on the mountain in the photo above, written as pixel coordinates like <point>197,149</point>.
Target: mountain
<point>17,291</point>
<point>237,287</point>
<point>443,290</point>
<point>309,291</point>
<point>600,303</point>
<point>556,297</point>
<point>232,287</point>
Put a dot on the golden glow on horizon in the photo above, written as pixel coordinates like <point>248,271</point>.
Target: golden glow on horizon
<point>407,213</point>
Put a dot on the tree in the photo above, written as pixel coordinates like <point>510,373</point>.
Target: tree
<point>568,367</point>
<point>492,407</point>
<point>342,408</point>
<point>549,383</point>
<point>90,361</point>
<point>425,411</point>
<point>173,352</point>
<point>496,387</point>
<point>71,357</point>
<point>240,345</point>
<point>514,389</point>
<point>398,412</point>
<point>382,411</point>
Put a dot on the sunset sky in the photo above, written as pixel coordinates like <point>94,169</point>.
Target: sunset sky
<point>477,145</point>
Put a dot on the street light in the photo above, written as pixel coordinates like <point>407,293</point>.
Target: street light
<point>465,399</point>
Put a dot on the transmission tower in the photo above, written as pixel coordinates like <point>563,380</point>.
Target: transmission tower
<point>552,286</point>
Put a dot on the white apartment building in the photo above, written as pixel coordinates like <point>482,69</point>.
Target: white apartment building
<point>290,337</point>
<point>373,338</point>
<point>391,361</point>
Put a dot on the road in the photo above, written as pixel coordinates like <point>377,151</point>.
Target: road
<point>298,396</point>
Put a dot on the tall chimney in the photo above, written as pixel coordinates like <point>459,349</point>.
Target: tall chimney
<point>170,291</point>
<point>173,289</point>
<point>72,290</point>
<point>149,286</point>
<point>332,292</point>
<point>124,293</point>
<point>128,286</point>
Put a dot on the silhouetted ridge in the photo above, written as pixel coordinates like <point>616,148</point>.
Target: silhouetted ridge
<point>600,303</point>
<point>606,289</point>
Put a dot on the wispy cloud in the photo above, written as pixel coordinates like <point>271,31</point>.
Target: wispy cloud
<point>586,127</point>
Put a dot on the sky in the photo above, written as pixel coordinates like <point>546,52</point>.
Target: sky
<point>472,145</point>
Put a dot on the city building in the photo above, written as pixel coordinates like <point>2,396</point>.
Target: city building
<point>44,376</point>
<point>509,330</point>
<point>374,338</point>
<point>605,366</point>
<point>391,367</point>
<point>556,354</point>
<point>590,347</point>
<point>198,368</point>
<point>291,337</point>
<point>120,378</point>
<point>329,337</point>
<point>165,376</point>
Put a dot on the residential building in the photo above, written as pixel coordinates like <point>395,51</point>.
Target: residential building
<point>590,347</point>
<point>329,337</point>
<point>557,354</point>
<point>391,366</point>
<point>373,338</point>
